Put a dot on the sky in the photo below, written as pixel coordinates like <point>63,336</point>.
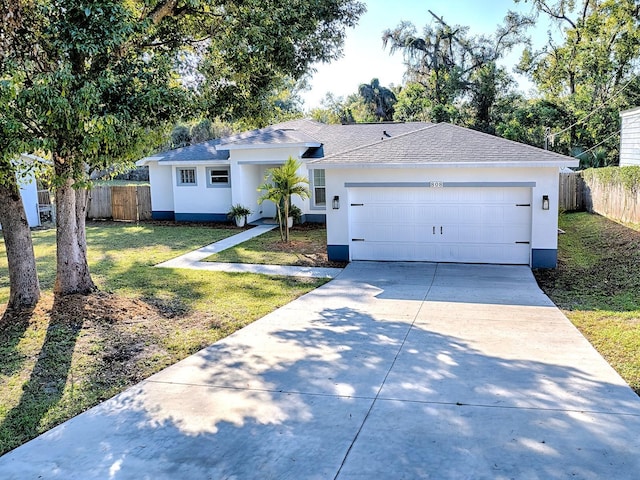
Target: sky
<point>364,58</point>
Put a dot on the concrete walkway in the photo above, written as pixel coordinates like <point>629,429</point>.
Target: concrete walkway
<point>193,260</point>
<point>390,371</point>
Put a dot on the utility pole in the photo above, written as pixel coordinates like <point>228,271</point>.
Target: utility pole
<point>547,134</point>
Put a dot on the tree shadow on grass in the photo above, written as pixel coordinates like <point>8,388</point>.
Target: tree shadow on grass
<point>13,325</point>
<point>87,356</point>
<point>300,395</point>
<point>46,384</point>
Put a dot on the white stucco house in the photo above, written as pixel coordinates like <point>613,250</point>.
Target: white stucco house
<point>389,191</point>
<point>29,191</point>
<point>630,137</point>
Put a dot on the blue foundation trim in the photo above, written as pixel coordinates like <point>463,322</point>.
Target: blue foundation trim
<point>315,217</point>
<point>544,258</point>
<point>162,215</point>
<point>338,253</point>
<point>201,217</point>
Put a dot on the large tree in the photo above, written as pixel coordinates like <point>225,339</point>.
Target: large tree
<point>380,100</point>
<point>108,74</point>
<point>454,66</point>
<point>24,288</point>
<point>589,67</point>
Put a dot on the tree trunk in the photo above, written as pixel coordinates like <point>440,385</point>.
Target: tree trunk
<point>72,274</point>
<point>24,288</point>
<point>286,218</point>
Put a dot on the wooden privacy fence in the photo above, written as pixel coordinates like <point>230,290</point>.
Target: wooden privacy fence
<point>612,200</point>
<point>99,203</point>
<point>571,195</point>
<point>606,198</point>
<point>129,203</point>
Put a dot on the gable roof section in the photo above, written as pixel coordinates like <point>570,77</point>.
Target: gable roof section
<point>445,144</point>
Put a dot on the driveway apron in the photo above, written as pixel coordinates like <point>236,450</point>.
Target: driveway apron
<point>390,371</point>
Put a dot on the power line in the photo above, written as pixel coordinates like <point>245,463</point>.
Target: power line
<point>617,132</point>
<point>604,104</point>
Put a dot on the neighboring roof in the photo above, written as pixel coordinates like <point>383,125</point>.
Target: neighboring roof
<point>30,157</point>
<point>443,144</point>
<point>320,139</point>
<point>630,112</point>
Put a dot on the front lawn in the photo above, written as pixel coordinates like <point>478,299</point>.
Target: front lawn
<point>307,247</point>
<point>69,354</point>
<point>597,285</point>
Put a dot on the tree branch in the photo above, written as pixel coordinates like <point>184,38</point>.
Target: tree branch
<point>162,10</point>
<point>558,16</point>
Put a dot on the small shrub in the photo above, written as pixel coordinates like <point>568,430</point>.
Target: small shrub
<point>296,213</point>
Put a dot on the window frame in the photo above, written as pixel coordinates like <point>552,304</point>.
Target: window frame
<point>226,184</point>
<point>314,203</point>
<point>179,177</point>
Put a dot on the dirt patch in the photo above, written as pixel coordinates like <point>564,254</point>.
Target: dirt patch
<point>101,307</point>
<point>117,341</point>
<point>604,264</point>
<point>309,251</point>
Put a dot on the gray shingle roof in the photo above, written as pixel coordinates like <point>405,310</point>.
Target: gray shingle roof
<point>379,143</point>
<point>443,143</point>
<point>281,136</point>
<point>340,138</point>
<point>198,152</point>
<point>333,138</point>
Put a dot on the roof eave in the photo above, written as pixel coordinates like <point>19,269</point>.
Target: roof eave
<point>211,161</point>
<point>517,164</point>
<point>30,157</point>
<point>255,146</point>
<point>147,160</point>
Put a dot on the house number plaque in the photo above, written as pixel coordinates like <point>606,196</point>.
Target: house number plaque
<point>436,184</point>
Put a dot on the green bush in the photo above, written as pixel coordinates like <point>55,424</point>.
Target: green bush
<point>628,177</point>
<point>296,213</point>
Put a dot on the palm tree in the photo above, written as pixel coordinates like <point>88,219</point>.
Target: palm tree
<point>280,184</point>
<point>380,99</point>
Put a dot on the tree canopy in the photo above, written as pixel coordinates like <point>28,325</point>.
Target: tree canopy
<point>592,72</point>
<point>454,67</point>
<point>379,100</point>
<point>96,83</point>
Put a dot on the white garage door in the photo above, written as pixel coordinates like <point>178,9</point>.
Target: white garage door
<point>450,224</point>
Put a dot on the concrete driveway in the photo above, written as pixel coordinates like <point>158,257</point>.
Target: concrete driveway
<point>390,371</point>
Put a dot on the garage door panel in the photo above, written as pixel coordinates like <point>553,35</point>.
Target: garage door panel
<point>471,213</point>
<point>518,215</point>
<point>445,212</point>
<point>480,225</point>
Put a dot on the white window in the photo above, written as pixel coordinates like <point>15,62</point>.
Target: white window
<point>319,190</point>
<point>187,176</point>
<point>218,177</point>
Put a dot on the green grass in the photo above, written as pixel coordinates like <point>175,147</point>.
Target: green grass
<point>597,284</point>
<point>116,249</point>
<point>70,354</point>
<point>307,247</point>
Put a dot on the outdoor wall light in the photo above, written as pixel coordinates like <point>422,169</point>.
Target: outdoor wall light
<point>336,202</point>
<point>545,202</point>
